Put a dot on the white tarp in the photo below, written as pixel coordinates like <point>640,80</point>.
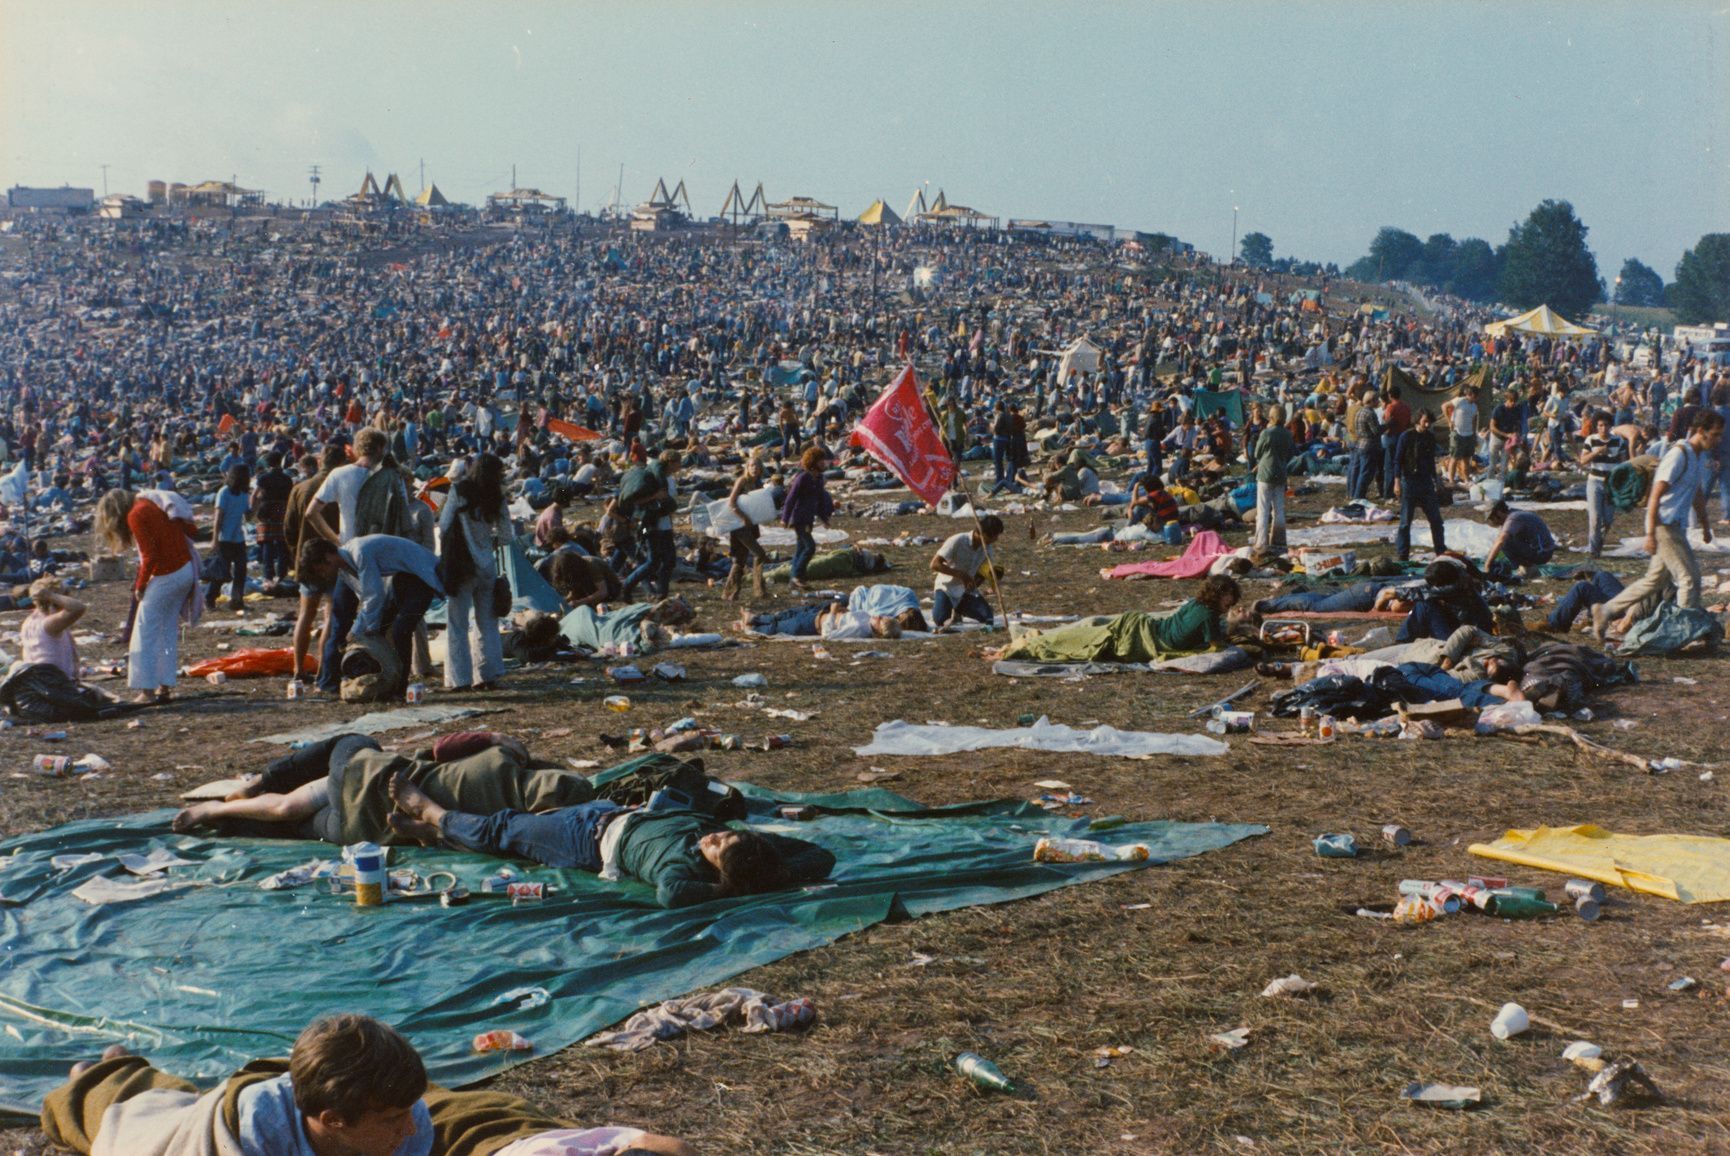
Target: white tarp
<point>1636,547</point>
<point>905,738</point>
<point>1473,538</point>
<point>377,723</point>
<point>779,536</point>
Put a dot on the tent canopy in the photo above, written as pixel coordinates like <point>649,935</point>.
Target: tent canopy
<point>1540,322</point>
<point>1082,356</point>
<point>879,214</point>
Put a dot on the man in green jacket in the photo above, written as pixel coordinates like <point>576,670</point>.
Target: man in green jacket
<point>1273,453</point>
<point>687,857</point>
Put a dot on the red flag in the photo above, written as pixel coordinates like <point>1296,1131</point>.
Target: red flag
<point>898,432</point>
<point>576,433</point>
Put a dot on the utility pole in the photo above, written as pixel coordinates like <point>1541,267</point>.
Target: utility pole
<point>104,179</point>
<point>313,178</point>
<point>578,199</point>
<point>513,176</point>
<point>619,191</point>
<point>423,174</point>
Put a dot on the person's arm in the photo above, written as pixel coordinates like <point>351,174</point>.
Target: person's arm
<point>68,610</point>
<point>733,497</point>
<point>315,520</point>
<point>373,592</point>
<point>1501,540</point>
<point>1660,487</point>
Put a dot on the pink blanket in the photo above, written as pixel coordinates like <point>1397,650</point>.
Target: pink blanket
<point>1195,563</point>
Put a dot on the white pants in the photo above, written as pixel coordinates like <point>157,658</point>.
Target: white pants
<point>1600,512</point>
<point>1270,516</point>
<point>473,602</point>
<point>153,659</point>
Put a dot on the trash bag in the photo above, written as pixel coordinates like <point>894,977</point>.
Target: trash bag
<point>253,662</point>
<point>370,671</point>
<point>42,692</point>
<point>1670,628</point>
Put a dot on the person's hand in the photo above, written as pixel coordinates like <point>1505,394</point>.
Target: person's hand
<point>1652,543</point>
<point>1705,530</point>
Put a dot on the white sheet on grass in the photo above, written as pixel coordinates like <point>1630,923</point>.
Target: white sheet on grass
<point>1635,547</point>
<point>905,738</point>
<point>780,536</point>
<point>1473,538</point>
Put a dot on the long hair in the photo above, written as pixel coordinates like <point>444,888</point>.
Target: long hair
<point>482,489</point>
<point>111,511</point>
<point>1215,590</point>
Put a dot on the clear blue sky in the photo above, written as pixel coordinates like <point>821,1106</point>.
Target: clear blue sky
<point>1321,120</point>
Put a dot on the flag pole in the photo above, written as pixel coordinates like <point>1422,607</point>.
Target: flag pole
<point>973,506</point>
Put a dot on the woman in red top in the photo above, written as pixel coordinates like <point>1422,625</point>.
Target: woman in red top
<point>167,577</point>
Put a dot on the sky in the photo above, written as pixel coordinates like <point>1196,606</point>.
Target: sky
<point>1319,121</point>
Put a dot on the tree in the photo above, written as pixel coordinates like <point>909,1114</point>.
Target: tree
<point>1257,249</point>
<point>1701,292</point>
<point>1477,268</point>
<point>1394,251</point>
<point>1548,263</point>
<point>1639,285</point>
<point>1435,265</point>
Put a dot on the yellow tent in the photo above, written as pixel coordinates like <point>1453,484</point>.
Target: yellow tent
<point>1540,322</point>
<point>879,214</point>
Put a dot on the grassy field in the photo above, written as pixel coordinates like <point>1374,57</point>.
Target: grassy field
<point>1156,960</point>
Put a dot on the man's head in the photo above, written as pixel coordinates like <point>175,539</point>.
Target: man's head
<point>746,862</point>
<point>1499,512</point>
<point>332,457</point>
<point>991,528</point>
<point>1423,420</point>
<point>369,446</point>
<point>1707,429</point>
<point>318,563</point>
<point>356,1082</point>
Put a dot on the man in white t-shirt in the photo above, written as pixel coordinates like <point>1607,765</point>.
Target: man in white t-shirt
<point>342,487</point>
<point>1678,490</point>
<point>957,564</point>
<point>1463,445</point>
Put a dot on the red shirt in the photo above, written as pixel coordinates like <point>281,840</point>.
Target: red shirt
<point>162,542</point>
<point>1396,417</point>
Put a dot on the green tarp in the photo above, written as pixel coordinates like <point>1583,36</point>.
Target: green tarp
<point>529,591</point>
<point>203,979</point>
<point>1227,401</point>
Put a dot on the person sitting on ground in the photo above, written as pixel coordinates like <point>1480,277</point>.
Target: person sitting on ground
<point>1450,600</point>
<point>584,581</point>
<point>1376,596</point>
<point>686,856</point>
<point>958,565</point>
<point>351,1086</point>
<point>1151,503</point>
<point>47,633</point>
<point>1525,539</point>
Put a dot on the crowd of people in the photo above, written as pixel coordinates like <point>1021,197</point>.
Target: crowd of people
<point>257,410</point>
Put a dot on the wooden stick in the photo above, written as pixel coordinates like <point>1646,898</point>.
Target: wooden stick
<point>1585,744</point>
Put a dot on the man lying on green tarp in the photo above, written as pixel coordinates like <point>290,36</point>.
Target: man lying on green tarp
<point>500,802</point>
<point>352,1085</point>
<point>1135,636</point>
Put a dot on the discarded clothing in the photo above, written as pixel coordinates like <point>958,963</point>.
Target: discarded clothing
<point>904,738</point>
<point>1686,868</point>
<point>1670,628</point>
<point>750,1010</point>
<point>1196,561</point>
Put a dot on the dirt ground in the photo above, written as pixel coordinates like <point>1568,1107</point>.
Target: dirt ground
<point>1156,960</point>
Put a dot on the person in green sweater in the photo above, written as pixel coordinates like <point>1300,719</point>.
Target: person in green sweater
<point>1136,636</point>
<point>1274,450</point>
<point>686,856</point>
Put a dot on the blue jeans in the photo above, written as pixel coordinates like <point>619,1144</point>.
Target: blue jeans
<point>970,605</point>
<point>797,620</point>
<point>658,567</point>
<point>1359,597</point>
<point>999,459</point>
<point>568,837</point>
<point>273,564</point>
<point>409,600</point>
<point>1363,467</point>
<point>1390,465</point>
<point>1155,465</point>
<point>804,548</point>
<point>231,561</point>
<point>1581,596</point>
<point>1416,496</point>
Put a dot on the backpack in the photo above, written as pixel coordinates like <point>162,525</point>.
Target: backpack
<point>382,505</point>
<point>370,671</point>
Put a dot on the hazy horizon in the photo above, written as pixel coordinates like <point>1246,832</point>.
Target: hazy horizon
<point>1321,122</point>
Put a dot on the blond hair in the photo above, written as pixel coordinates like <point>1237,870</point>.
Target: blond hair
<point>111,511</point>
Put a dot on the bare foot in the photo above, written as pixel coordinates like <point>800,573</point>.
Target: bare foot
<point>144,697</point>
<point>111,1052</point>
<point>414,802</point>
<point>424,833</point>
<point>191,818</point>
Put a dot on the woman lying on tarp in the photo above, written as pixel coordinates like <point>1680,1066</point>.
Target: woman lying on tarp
<point>1136,636</point>
<point>345,790</point>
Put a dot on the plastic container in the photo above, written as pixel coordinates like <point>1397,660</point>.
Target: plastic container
<point>499,1040</point>
<point>415,694</point>
<point>1510,1021</point>
<point>370,879</point>
<point>617,703</point>
<point>296,690</point>
<point>216,677</point>
<point>1055,849</point>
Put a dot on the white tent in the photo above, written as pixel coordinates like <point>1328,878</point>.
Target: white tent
<point>1082,356</point>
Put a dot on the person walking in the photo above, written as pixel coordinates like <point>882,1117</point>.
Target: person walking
<point>167,580</point>
<point>228,539</point>
<point>1601,452</point>
<point>1415,457</point>
<point>1365,464</point>
<point>744,544</point>
<point>1274,450</point>
<point>807,502</point>
<point>471,528</point>
<point>1678,490</point>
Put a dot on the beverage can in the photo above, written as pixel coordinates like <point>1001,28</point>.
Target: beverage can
<point>1584,889</point>
<point>1307,719</point>
<point>617,703</point>
<point>1325,727</point>
<point>1396,834</point>
<point>370,879</point>
<point>296,690</point>
<point>799,814</point>
<point>216,677</point>
<point>416,694</point>
<point>525,892</point>
<point>50,764</point>
<point>1587,908</point>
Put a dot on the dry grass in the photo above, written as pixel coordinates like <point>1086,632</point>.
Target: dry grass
<point>1037,985</point>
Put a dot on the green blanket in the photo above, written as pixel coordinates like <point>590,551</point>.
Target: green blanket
<point>1132,636</point>
<point>205,978</point>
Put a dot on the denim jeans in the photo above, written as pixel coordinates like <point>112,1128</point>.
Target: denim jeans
<point>1415,496</point>
<point>970,605</point>
<point>1600,512</point>
<point>797,620</point>
<point>658,567</point>
<point>999,459</point>
<point>1358,597</point>
<point>273,565</point>
<point>1390,465</point>
<point>1155,465</point>
<point>232,559</point>
<point>409,600</point>
<point>567,837</point>
<point>804,548</point>
<point>1581,596</point>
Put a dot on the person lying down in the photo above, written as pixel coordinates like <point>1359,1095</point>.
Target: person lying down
<point>352,1086</point>
<point>482,791</point>
<point>1135,636</point>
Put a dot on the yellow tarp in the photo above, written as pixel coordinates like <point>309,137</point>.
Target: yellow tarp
<point>1686,868</point>
<point>1542,321</point>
